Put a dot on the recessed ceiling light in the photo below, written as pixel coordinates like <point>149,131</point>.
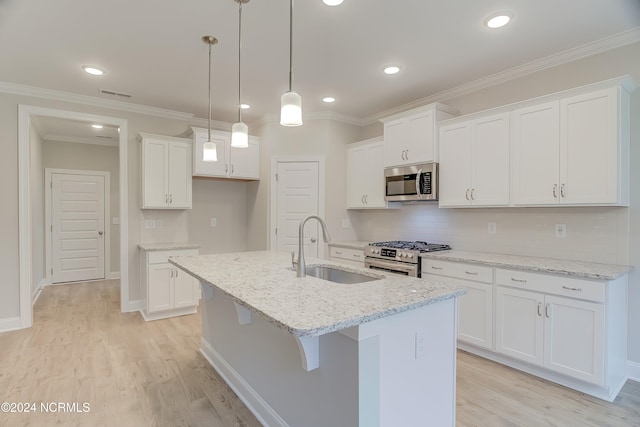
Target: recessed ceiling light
<point>333,2</point>
<point>96,126</point>
<point>93,70</point>
<point>391,70</point>
<point>245,106</point>
<point>498,20</point>
<point>328,99</point>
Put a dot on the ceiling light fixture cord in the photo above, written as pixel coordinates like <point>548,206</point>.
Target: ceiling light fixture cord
<point>290,44</point>
<point>239,58</point>
<point>209,121</point>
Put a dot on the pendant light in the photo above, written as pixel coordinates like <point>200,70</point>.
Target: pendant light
<point>291,103</point>
<point>209,152</point>
<point>239,130</point>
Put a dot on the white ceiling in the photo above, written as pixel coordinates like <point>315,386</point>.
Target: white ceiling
<point>152,49</point>
<point>54,129</point>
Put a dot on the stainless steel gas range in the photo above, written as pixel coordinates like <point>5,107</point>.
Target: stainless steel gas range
<point>397,256</point>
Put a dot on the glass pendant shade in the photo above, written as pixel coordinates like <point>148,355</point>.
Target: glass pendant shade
<point>239,135</point>
<point>291,109</point>
<point>209,152</point>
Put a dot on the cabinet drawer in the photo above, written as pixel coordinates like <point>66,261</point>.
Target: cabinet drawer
<point>348,254</point>
<point>457,270</point>
<point>158,257</point>
<point>565,286</point>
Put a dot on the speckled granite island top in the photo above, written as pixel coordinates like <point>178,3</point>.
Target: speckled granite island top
<point>166,246</point>
<point>265,283</point>
<point>586,270</point>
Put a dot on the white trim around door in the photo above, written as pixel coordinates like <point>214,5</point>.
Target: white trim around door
<point>25,112</point>
<point>273,195</point>
<point>48,172</point>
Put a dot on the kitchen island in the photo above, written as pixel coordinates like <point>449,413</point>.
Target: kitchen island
<point>310,352</point>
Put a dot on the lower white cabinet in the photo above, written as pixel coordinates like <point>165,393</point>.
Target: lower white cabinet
<point>167,291</point>
<point>475,308</point>
<point>347,256</point>
<point>568,330</point>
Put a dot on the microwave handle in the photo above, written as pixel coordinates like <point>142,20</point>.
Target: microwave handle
<point>418,193</point>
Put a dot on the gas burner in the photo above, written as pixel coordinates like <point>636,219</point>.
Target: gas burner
<point>412,246</point>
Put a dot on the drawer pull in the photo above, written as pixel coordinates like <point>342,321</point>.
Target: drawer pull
<point>338,253</point>
<point>436,268</point>
<point>357,255</point>
<point>571,289</point>
<point>471,273</point>
<point>518,280</point>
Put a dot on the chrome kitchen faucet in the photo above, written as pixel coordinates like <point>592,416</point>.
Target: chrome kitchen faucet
<point>300,265</point>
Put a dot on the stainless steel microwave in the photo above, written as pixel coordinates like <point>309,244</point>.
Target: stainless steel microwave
<point>409,183</point>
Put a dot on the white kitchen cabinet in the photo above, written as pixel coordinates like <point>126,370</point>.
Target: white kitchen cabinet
<point>365,175</point>
<point>236,163</point>
<point>349,256</point>
<point>410,137</point>
<point>166,172</point>
<point>474,162</point>
<point>573,151</point>
<point>475,308</point>
<point>167,291</point>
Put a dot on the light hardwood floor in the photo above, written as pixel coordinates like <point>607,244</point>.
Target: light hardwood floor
<point>136,373</point>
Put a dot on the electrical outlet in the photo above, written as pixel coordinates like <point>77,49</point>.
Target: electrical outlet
<point>158,223</point>
<point>150,224</point>
<point>491,228</point>
<point>561,230</point>
<point>346,223</point>
<point>115,220</point>
<point>214,222</point>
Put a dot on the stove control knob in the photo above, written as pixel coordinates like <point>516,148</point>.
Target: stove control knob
<point>377,251</point>
<point>404,255</point>
<point>410,256</point>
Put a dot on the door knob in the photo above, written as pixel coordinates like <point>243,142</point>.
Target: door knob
<point>100,233</point>
<point>313,240</point>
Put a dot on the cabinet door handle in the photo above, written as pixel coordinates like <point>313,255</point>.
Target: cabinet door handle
<point>226,168</point>
<point>555,191</point>
<point>232,168</point>
<point>562,190</point>
<point>170,199</point>
<point>518,280</point>
<point>166,199</point>
<point>171,272</point>
<point>540,309</point>
<point>472,190</point>
<point>366,199</point>
<point>471,273</point>
<point>436,268</point>
<point>547,310</point>
<point>466,194</point>
<point>571,289</point>
<point>177,272</point>
<point>418,178</point>
<point>407,157</point>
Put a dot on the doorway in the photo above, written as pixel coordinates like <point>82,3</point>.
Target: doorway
<point>297,191</point>
<point>77,241</point>
<point>26,185</point>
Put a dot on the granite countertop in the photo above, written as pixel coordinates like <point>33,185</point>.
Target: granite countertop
<point>266,283</point>
<point>352,244</point>
<point>580,269</point>
<point>166,246</point>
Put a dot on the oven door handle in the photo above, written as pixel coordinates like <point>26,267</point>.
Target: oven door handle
<point>376,262</point>
<point>418,193</point>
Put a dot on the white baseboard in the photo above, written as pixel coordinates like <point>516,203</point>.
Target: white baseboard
<point>134,306</point>
<point>38,290</point>
<point>113,275</point>
<point>633,370</point>
<point>10,324</point>
<point>261,409</point>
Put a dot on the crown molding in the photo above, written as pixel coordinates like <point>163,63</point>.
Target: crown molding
<point>80,140</point>
<point>56,95</point>
<point>318,115</point>
<point>618,40</point>
<point>215,124</point>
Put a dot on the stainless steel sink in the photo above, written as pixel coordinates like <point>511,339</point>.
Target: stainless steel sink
<point>337,275</point>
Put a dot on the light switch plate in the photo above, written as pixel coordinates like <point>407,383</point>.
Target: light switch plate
<point>115,220</point>
<point>491,228</point>
<point>150,224</point>
<point>214,222</point>
<point>158,223</point>
<point>346,223</point>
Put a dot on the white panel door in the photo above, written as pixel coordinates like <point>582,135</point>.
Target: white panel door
<point>420,142</point>
<point>298,193</point>
<point>156,177</point>
<point>357,174</point>
<point>455,165</point>
<point>160,294</point>
<point>245,162</point>
<point>185,290</point>
<point>490,157</point>
<point>179,183</point>
<point>77,218</point>
<point>219,168</point>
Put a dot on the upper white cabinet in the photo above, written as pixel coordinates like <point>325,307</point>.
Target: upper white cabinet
<point>166,172</point>
<point>410,137</point>
<point>474,162</point>
<point>572,151</point>
<point>365,174</point>
<point>238,163</point>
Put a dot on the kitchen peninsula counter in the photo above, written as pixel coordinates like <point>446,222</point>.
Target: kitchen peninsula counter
<point>302,351</point>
